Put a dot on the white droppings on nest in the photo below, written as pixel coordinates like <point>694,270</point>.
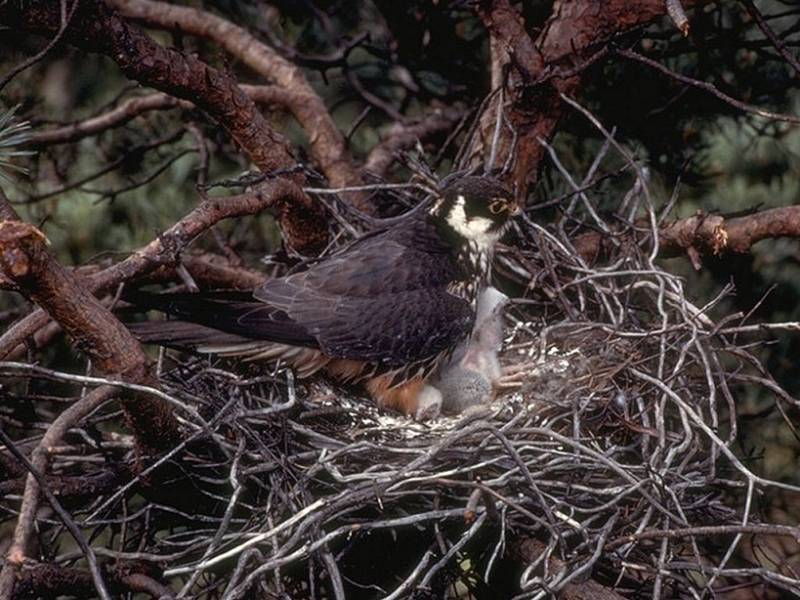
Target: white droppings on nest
<point>399,427</point>
<point>367,421</point>
<point>407,428</point>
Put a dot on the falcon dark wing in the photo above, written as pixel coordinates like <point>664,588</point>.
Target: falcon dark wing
<point>385,300</point>
<point>234,316</point>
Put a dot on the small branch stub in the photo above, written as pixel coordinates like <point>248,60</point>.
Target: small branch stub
<point>678,16</point>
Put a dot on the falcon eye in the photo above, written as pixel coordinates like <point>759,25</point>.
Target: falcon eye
<point>497,206</point>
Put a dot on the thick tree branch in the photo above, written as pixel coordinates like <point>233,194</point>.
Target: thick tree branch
<point>26,261</point>
<point>716,234</point>
<point>166,248</point>
<point>709,235</point>
<point>542,69</point>
<point>208,270</point>
<point>95,28</point>
<point>46,580</point>
<point>328,146</point>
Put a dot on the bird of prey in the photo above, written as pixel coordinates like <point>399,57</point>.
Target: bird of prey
<point>383,312</point>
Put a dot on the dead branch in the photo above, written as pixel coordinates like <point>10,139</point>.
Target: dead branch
<point>615,459</point>
<point>777,43</point>
<point>402,135</point>
<point>25,260</point>
<point>613,415</point>
<point>115,117</point>
<point>532,551</point>
<point>46,580</point>
<point>678,16</point>
<point>716,234</point>
<point>278,195</point>
<point>214,271</point>
<point>134,107</point>
<point>209,270</point>
<point>66,12</point>
<point>19,549</point>
<point>78,487</point>
<point>708,87</point>
<point>707,234</point>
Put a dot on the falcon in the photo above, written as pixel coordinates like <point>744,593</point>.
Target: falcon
<point>383,312</point>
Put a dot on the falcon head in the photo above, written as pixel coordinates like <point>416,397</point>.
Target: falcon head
<point>475,209</point>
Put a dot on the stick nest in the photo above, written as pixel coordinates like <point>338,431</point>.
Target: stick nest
<point>606,461</point>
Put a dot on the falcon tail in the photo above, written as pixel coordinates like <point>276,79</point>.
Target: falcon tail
<point>181,334</point>
<point>215,318</point>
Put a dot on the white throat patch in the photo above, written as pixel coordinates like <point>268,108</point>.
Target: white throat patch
<point>477,229</point>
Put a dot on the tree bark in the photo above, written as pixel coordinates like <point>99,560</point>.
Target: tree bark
<point>114,352</point>
<point>541,69</point>
<point>96,28</point>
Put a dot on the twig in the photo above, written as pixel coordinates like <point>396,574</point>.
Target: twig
<point>36,484</point>
<point>708,87</point>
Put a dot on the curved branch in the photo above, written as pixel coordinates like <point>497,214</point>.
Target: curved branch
<point>26,261</point>
<point>95,28</point>
<point>40,459</point>
<point>276,195</point>
<point>530,550</point>
<point>328,146</point>
<point>134,107</point>
<point>115,117</point>
<point>210,270</point>
<point>707,87</point>
<point>401,136</point>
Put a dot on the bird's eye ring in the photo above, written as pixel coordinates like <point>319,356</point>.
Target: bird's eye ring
<point>497,206</point>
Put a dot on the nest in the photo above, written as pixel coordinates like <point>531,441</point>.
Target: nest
<point>606,464</point>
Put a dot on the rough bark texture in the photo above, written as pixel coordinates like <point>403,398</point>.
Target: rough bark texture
<point>47,580</point>
<point>716,234</point>
<point>707,235</point>
<point>97,29</point>
<point>26,261</point>
<point>327,143</point>
<point>166,248</point>
<point>541,69</point>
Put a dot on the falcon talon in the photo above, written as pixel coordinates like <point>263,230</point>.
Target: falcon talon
<point>385,312</point>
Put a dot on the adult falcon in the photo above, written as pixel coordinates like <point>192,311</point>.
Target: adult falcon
<point>384,311</point>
